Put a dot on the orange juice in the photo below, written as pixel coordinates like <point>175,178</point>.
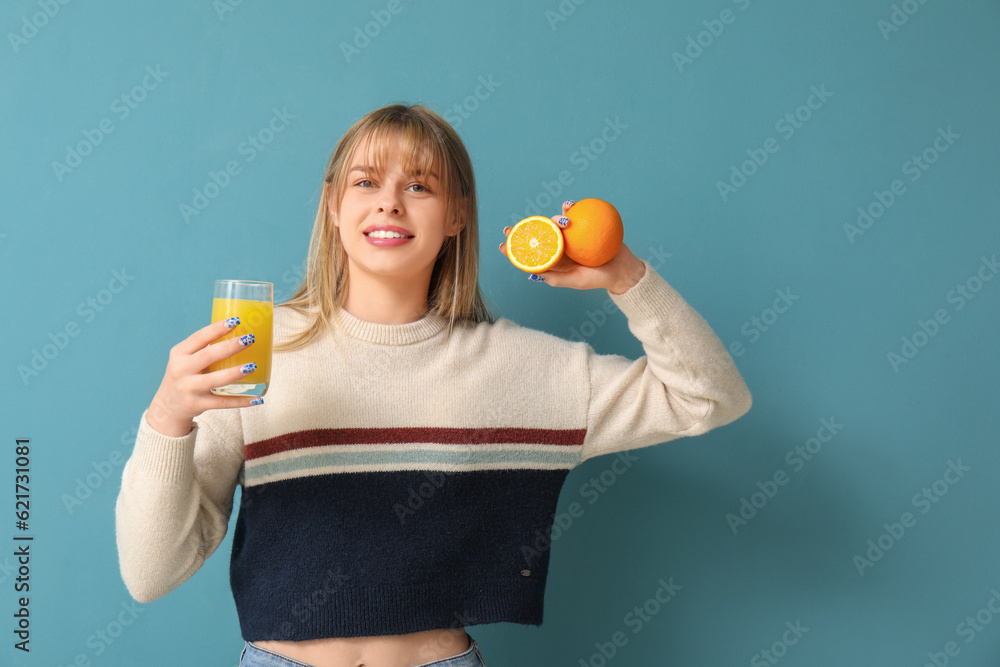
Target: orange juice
<point>256,317</point>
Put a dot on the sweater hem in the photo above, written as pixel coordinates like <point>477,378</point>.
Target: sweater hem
<point>365,612</point>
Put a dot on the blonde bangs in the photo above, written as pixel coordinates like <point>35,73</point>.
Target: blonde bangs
<point>420,153</point>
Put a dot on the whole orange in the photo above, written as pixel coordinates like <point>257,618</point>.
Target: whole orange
<point>594,234</point>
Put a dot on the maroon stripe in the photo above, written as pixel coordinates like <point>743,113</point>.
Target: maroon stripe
<point>320,437</point>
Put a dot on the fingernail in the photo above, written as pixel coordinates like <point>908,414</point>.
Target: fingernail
<point>257,401</point>
<point>232,322</point>
<point>500,247</point>
<point>249,368</point>
<point>569,203</point>
<point>536,278</point>
<point>246,340</point>
<point>506,229</point>
<point>563,220</point>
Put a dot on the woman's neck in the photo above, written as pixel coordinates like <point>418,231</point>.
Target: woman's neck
<point>383,305</point>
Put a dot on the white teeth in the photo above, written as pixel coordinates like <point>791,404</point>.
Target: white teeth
<point>382,234</point>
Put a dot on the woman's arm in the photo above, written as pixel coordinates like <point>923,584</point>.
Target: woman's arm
<point>175,501</point>
<point>686,384</point>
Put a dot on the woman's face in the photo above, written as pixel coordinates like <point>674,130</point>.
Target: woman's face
<point>411,202</point>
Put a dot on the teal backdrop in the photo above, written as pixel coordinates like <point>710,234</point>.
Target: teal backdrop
<point>819,180</point>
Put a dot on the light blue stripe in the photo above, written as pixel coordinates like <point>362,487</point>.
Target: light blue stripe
<point>563,456</point>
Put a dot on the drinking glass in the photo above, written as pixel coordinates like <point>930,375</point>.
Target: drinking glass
<point>253,302</point>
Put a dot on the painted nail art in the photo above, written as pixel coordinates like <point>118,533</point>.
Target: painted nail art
<point>232,322</point>
<point>536,278</point>
<point>249,368</point>
<point>569,203</point>
<point>563,220</point>
<point>257,401</point>
<point>246,340</point>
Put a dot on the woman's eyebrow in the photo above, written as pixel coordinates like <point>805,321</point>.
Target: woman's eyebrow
<point>420,172</point>
<point>365,169</point>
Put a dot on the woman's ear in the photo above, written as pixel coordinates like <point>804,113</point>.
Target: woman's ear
<point>457,222</point>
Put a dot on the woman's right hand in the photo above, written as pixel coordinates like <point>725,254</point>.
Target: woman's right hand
<point>185,392</point>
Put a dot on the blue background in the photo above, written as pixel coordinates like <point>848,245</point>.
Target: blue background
<point>558,73</point>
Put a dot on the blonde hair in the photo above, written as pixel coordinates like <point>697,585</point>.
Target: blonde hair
<point>427,141</point>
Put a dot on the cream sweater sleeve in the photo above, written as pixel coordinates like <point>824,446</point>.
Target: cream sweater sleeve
<point>175,500</point>
<point>686,384</point>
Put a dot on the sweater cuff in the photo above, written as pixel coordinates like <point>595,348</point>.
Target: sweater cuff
<point>649,298</point>
<point>165,457</point>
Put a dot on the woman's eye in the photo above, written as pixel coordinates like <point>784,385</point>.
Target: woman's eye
<point>366,183</point>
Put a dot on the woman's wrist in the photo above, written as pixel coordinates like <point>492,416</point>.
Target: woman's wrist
<point>632,273</point>
<point>161,421</point>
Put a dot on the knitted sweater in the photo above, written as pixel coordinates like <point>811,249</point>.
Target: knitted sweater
<point>398,480</point>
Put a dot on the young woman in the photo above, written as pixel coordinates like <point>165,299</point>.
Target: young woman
<point>411,447</point>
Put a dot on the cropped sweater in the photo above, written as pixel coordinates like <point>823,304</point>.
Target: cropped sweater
<point>396,479</point>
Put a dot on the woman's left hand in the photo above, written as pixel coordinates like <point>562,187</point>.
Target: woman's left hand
<point>617,275</point>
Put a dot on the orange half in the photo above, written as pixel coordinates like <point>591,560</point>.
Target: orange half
<point>535,244</point>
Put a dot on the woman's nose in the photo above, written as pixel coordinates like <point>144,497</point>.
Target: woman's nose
<point>389,204</point>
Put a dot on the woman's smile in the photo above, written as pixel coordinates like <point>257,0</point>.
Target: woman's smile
<point>387,239</point>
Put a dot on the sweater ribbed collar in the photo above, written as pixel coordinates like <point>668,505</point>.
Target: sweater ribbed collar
<point>392,334</point>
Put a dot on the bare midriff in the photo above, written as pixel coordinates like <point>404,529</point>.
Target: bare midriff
<point>406,650</point>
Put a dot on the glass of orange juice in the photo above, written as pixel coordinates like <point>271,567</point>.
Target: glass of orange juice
<point>253,302</point>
